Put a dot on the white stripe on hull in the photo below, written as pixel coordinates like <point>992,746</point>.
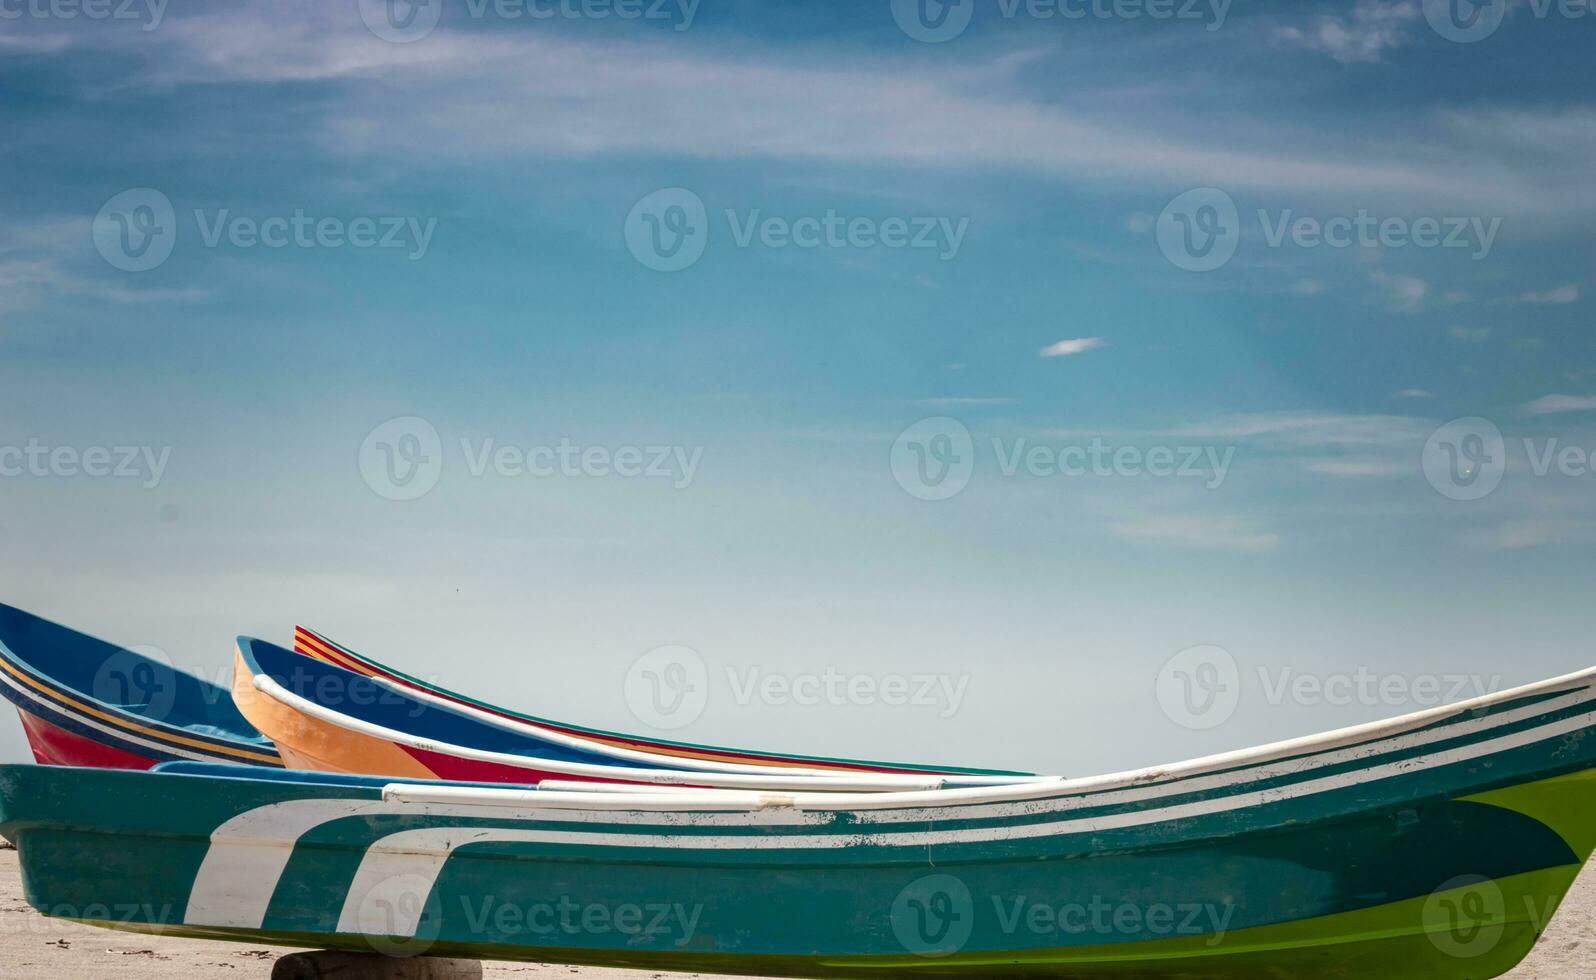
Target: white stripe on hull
<point>249,853</point>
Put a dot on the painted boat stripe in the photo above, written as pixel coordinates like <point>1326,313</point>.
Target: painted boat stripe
<point>534,766</point>
<point>144,737</point>
<point>654,760</point>
<point>1347,745</point>
<point>249,852</point>
<point>321,648</point>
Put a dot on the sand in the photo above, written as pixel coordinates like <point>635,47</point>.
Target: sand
<point>33,947</point>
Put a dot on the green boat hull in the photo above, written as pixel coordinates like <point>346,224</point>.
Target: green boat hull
<point>1437,849</point>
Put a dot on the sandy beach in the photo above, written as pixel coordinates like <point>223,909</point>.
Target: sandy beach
<point>33,947</point>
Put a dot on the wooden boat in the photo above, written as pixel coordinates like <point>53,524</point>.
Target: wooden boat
<point>310,643</point>
<point>86,702</point>
<point>1437,845</point>
<point>324,717</point>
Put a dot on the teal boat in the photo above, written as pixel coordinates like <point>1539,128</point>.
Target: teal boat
<point>1436,845</point>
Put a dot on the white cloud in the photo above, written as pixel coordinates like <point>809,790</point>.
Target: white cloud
<point>471,95</point>
<point>957,402</point>
<point>1414,393</point>
<point>1470,335</point>
<point>1200,533</point>
<point>1558,404</point>
<point>1373,28</point>
<point>1307,287</point>
<point>1309,430</point>
<point>1403,294</point>
<point>1517,535</point>
<point>1560,295</point>
<point>49,259</point>
<point>1065,348</point>
<point>1357,468</point>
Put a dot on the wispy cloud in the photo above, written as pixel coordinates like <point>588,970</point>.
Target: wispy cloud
<point>1414,393</point>
<point>1559,404</point>
<point>1469,335</point>
<point>1357,468</point>
<point>1371,29</point>
<point>1067,348</point>
<point>958,402</point>
<point>1403,294</point>
<point>1200,533</point>
<point>1559,295</point>
<point>557,94</point>
<point>1310,430</point>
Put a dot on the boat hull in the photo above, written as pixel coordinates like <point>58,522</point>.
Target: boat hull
<point>1436,846</point>
<point>324,717</point>
<point>86,702</point>
<point>311,644</point>
<point>55,746</point>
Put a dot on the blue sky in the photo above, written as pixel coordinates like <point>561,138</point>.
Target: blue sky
<point>1056,145</point>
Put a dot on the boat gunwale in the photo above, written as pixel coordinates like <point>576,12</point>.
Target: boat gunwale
<point>60,696</point>
<point>1042,788</point>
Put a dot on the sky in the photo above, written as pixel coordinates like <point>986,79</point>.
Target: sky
<point>1022,384</point>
